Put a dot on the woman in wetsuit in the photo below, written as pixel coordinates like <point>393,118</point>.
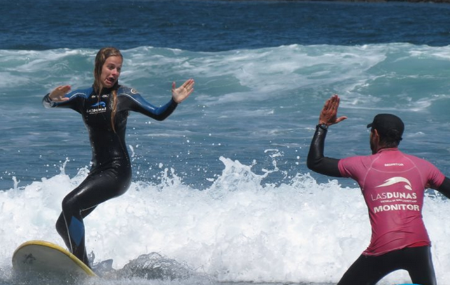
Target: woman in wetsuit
<point>104,108</point>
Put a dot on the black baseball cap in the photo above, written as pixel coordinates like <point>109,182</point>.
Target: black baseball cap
<point>388,126</point>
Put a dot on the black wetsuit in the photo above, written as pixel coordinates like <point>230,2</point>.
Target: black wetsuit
<point>369,269</point>
<point>110,174</point>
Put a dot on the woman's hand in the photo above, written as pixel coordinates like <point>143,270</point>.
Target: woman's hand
<point>57,95</point>
<point>182,92</point>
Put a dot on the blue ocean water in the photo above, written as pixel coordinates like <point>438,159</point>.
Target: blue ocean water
<point>220,189</point>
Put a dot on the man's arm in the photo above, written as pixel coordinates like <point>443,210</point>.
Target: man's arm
<point>445,187</point>
<point>316,160</point>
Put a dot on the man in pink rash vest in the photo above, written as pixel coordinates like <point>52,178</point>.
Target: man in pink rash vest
<point>393,185</point>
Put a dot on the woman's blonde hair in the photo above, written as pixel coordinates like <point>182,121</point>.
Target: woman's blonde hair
<point>100,59</point>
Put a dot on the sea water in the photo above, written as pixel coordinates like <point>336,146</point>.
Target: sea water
<point>221,192</point>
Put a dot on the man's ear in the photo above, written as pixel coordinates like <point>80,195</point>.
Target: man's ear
<point>376,136</point>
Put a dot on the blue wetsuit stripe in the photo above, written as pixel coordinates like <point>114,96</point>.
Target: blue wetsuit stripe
<point>76,230</point>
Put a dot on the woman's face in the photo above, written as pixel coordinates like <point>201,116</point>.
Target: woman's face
<point>111,71</point>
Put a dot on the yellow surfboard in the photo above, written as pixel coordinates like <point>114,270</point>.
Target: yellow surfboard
<point>44,257</point>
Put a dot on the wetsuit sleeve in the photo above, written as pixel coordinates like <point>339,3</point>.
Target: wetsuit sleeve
<point>48,103</point>
<point>75,100</point>
<point>136,103</point>
<point>445,187</point>
<point>317,161</point>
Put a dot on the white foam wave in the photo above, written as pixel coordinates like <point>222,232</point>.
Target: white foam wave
<point>237,230</point>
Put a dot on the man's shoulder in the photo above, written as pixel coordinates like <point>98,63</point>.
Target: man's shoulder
<point>355,161</point>
<point>408,159</point>
<point>416,159</point>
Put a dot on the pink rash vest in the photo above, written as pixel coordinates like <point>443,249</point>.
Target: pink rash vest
<point>393,185</point>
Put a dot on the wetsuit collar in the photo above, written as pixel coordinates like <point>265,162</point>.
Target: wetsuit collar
<point>109,90</point>
<point>387,149</point>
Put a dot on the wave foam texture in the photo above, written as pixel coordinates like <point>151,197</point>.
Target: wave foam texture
<point>237,230</point>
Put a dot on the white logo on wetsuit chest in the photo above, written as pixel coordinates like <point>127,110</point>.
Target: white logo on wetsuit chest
<point>395,180</point>
<point>99,107</point>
